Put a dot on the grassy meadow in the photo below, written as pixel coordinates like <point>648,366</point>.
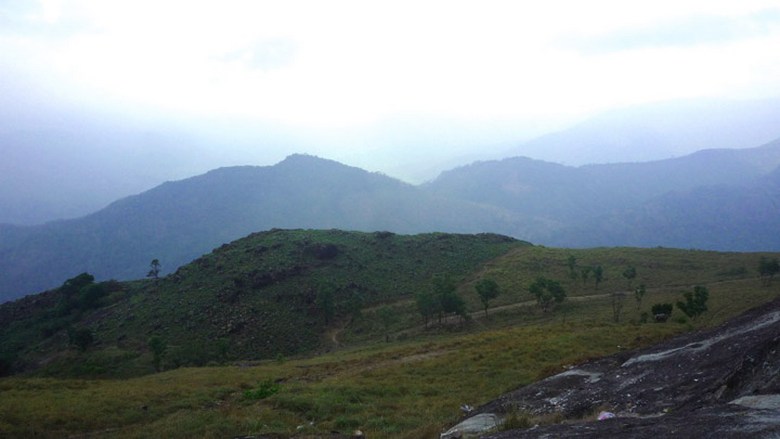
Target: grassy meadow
<point>412,385</point>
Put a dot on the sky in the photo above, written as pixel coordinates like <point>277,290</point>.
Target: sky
<point>400,87</point>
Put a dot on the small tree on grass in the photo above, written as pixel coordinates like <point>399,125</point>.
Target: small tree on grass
<point>598,275</point>
<point>695,303</point>
<point>487,290</point>
<point>571,262</point>
<point>767,269</point>
<point>426,305</point>
<point>662,311</point>
<point>387,316</point>
<point>448,301</point>
<point>617,305</point>
<point>158,346</point>
<point>451,303</point>
<point>629,273</point>
<point>547,292</point>
<point>585,274</point>
<point>639,294</point>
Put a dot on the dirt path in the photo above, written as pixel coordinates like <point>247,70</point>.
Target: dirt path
<point>333,333</point>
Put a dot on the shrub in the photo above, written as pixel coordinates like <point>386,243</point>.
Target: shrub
<point>695,302</point>
<point>662,311</point>
<point>264,390</point>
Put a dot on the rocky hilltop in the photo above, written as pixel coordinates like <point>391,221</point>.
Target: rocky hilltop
<point>718,383</point>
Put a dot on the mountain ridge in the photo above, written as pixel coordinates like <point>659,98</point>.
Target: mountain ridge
<point>179,221</point>
<point>541,202</point>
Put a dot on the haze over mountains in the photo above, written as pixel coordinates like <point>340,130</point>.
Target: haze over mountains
<point>61,162</point>
<point>715,199</point>
<point>659,131</point>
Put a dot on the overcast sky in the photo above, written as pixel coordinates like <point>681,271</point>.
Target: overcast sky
<point>366,80</point>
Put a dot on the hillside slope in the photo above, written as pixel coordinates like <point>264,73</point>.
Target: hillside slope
<point>179,221</point>
<point>573,201</point>
<point>711,200</point>
<point>740,218</point>
<point>269,294</point>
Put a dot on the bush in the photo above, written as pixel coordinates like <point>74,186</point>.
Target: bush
<point>662,311</point>
<point>695,303</point>
<point>264,390</point>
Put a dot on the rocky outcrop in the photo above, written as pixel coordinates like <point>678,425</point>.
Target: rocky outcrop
<point>723,382</point>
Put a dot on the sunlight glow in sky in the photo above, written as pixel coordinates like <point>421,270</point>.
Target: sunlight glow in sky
<point>336,63</point>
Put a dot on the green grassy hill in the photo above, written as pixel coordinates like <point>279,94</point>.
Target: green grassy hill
<point>275,361</point>
<point>269,294</point>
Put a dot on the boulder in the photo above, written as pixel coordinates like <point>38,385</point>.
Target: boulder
<point>723,382</point>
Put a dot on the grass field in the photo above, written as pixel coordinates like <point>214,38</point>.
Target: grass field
<point>412,386</point>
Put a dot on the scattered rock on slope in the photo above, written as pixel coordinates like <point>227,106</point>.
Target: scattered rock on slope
<point>723,382</point>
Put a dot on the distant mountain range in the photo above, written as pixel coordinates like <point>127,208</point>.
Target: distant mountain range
<point>60,163</point>
<point>179,221</point>
<point>658,131</point>
<point>714,199</point>
<point>588,205</point>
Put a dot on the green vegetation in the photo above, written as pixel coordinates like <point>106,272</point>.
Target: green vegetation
<point>274,360</point>
<point>695,302</point>
<point>662,311</point>
<point>158,346</point>
<point>617,305</point>
<point>270,293</point>
<point>487,289</point>
<point>80,338</point>
<point>264,390</point>
<point>767,269</point>
<point>154,269</point>
<point>639,294</point>
<point>629,273</point>
<point>547,292</point>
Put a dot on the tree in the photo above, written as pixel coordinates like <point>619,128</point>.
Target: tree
<point>451,303</point>
<point>767,269</point>
<point>426,305</point>
<point>585,274</point>
<point>154,269</point>
<point>629,273</point>
<point>158,346</point>
<point>387,316</point>
<point>598,275</point>
<point>639,294</point>
<point>90,295</point>
<point>74,284</point>
<point>487,290</point>
<point>695,302</point>
<point>443,289</point>
<point>617,305</point>
<point>547,292</point>
<point>662,311</point>
<point>73,294</point>
<point>571,262</point>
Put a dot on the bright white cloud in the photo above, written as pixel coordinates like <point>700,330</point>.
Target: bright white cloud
<point>352,62</point>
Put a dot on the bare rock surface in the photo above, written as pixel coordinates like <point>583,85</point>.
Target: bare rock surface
<point>723,382</point>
